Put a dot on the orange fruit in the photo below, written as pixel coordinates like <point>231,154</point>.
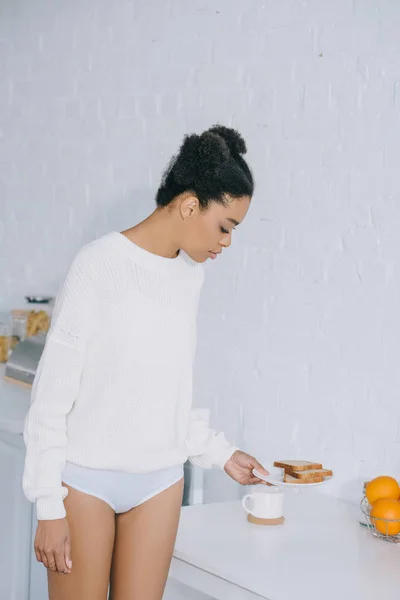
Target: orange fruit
<point>386,508</point>
<point>382,487</point>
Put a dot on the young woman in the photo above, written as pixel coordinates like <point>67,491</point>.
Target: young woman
<point>111,423</point>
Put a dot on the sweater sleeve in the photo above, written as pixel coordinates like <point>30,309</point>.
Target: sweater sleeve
<point>53,394</point>
<point>206,448</point>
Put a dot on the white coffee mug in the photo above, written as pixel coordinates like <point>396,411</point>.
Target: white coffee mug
<point>266,504</point>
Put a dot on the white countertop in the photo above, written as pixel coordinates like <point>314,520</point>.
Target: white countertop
<point>14,404</point>
<point>320,552</point>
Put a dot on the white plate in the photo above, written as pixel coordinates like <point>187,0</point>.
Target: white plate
<point>276,478</point>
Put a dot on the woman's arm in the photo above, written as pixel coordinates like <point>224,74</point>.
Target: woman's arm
<point>54,391</point>
<point>206,448</point>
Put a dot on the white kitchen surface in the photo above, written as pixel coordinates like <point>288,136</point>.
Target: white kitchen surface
<point>320,552</point>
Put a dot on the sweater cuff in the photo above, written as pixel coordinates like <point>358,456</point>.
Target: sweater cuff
<point>223,456</point>
<point>49,508</point>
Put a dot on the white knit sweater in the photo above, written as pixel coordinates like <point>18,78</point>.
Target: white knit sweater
<point>114,386</point>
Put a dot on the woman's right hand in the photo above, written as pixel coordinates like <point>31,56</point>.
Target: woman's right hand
<point>53,545</point>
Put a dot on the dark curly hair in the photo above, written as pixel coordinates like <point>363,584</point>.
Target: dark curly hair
<point>211,166</point>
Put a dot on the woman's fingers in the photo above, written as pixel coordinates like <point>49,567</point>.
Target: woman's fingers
<point>50,561</point>
<point>68,559</point>
<point>253,480</point>
<point>259,467</point>
<point>60,561</point>
<point>53,560</point>
<point>44,559</point>
<point>38,554</point>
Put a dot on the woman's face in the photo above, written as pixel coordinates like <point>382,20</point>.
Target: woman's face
<point>207,232</point>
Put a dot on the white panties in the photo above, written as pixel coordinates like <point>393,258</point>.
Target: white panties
<point>122,491</point>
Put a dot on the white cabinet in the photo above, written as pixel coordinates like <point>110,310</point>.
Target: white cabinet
<point>21,576</point>
<point>15,521</point>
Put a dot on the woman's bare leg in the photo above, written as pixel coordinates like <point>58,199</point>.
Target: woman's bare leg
<point>144,543</point>
<point>92,527</point>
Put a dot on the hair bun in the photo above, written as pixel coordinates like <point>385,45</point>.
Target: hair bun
<point>212,152</point>
<point>200,156</point>
<point>233,139</point>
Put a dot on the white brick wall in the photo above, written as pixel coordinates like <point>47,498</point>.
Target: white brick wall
<point>299,336</point>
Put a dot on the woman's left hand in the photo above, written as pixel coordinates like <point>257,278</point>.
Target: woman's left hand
<point>240,467</point>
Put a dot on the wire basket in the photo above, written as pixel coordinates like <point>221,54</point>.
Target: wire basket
<point>379,527</point>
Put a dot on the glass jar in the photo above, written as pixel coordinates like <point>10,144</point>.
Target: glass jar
<point>18,326</point>
<point>40,303</point>
<point>39,314</point>
<point>5,339</point>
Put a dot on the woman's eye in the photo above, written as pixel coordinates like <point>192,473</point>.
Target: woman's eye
<point>224,231</point>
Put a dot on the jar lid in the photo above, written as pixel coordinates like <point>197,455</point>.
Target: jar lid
<point>38,299</point>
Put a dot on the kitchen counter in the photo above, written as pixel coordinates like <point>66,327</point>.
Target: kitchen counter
<point>321,551</point>
<point>14,405</point>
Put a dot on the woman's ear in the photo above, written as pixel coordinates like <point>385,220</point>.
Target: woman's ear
<point>189,207</point>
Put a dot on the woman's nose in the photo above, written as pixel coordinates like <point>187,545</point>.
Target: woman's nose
<point>226,241</point>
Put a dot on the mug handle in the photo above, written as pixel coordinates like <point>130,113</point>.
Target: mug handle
<point>244,502</point>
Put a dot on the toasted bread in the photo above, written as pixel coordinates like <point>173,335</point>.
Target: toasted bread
<point>290,479</point>
<point>297,465</point>
<point>312,474</point>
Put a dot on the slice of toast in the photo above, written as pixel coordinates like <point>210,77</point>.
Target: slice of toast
<point>312,474</point>
<point>290,479</point>
<point>297,465</point>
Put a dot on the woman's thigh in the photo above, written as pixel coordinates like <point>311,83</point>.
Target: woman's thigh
<point>144,543</point>
<point>92,528</point>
